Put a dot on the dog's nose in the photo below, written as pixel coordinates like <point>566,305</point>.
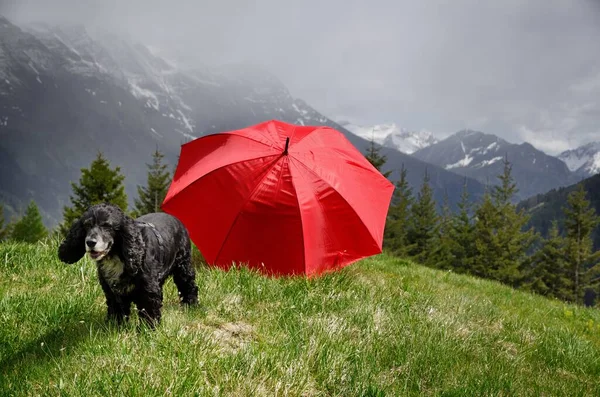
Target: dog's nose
<point>90,243</point>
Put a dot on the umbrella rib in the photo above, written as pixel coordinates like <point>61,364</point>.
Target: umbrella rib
<point>316,128</point>
<point>223,166</point>
<point>269,168</point>
<point>343,198</point>
<point>342,153</point>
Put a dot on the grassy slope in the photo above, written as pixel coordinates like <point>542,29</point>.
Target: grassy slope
<point>379,327</point>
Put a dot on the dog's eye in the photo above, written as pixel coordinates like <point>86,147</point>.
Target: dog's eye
<point>105,224</point>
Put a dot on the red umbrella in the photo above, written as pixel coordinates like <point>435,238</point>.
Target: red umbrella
<point>283,198</point>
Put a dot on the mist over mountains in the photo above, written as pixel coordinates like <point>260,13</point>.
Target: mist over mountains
<point>65,95</point>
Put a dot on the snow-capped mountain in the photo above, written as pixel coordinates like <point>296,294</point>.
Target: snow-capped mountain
<point>393,136</point>
<point>481,156</point>
<point>65,95</point>
<point>172,95</point>
<point>584,161</point>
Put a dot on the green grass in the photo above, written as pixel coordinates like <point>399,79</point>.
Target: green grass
<point>379,327</point>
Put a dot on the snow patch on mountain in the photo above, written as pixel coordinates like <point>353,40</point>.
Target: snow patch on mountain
<point>186,121</point>
<point>584,160</point>
<point>392,136</point>
<point>485,163</point>
<point>594,164</point>
<point>492,146</point>
<point>573,161</point>
<point>139,93</point>
<point>461,163</point>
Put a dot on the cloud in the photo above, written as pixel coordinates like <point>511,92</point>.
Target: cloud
<point>549,141</point>
<point>525,70</point>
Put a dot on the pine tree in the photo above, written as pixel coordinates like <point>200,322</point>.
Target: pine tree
<point>501,243</point>
<point>484,262</point>
<point>375,158</point>
<point>442,256</point>
<point>514,241</point>
<point>504,193</point>
<point>97,184</point>
<point>397,219</point>
<point>548,274</point>
<point>580,222</point>
<point>29,228</point>
<point>462,235</point>
<point>151,196</point>
<point>423,223</point>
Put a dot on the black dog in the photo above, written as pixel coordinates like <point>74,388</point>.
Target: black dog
<point>134,258</point>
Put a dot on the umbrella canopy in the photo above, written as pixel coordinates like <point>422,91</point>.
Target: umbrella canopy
<point>279,197</point>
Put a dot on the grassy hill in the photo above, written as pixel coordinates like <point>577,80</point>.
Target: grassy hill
<point>379,327</point>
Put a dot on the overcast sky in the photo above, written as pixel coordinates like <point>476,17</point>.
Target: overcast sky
<point>521,69</point>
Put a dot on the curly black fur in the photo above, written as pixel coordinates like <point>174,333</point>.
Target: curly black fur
<point>134,258</point>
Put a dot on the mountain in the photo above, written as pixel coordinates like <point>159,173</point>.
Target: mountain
<point>544,208</point>
<point>480,156</point>
<point>65,95</point>
<point>392,136</point>
<point>584,161</point>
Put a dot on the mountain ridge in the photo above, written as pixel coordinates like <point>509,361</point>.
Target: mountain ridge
<point>547,207</point>
<point>481,156</point>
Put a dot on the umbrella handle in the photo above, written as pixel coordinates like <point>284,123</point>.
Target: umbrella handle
<point>287,143</point>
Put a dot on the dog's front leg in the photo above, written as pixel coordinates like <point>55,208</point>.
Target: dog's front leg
<point>118,307</point>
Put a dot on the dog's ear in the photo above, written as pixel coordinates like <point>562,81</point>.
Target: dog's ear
<point>72,248</point>
<point>132,245</point>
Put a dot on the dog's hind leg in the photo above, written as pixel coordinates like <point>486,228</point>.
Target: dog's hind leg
<point>149,304</point>
<point>184,277</point>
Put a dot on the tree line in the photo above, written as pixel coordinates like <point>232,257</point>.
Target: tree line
<point>490,239</point>
<point>99,183</point>
<point>487,239</point>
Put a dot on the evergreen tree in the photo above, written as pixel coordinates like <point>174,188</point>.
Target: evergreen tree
<point>548,274</point>
<point>151,196</point>
<point>375,158</point>
<point>29,228</point>
<point>97,184</point>
<point>397,219</point>
<point>580,222</point>
<point>442,256</point>
<point>486,246</point>
<point>423,224</point>
<point>514,241</point>
<point>501,243</point>
<point>504,193</point>
<point>462,235</point>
